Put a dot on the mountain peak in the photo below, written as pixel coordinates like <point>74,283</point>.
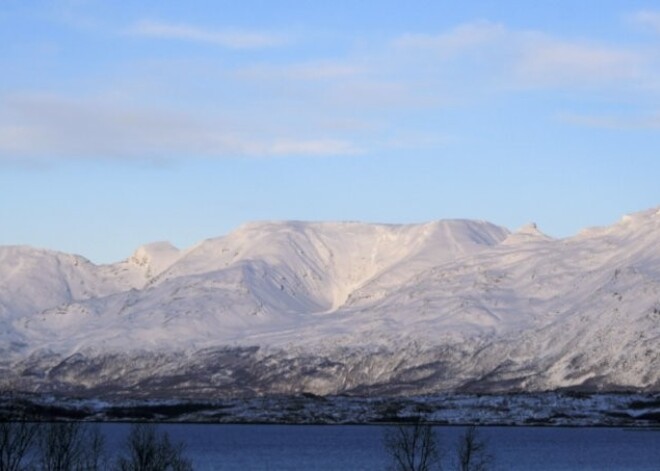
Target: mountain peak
<point>529,232</point>
<point>641,216</point>
<point>532,229</point>
<point>155,257</point>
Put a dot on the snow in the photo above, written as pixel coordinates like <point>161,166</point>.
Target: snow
<point>527,233</point>
<point>544,409</point>
<point>439,306</point>
<point>155,257</point>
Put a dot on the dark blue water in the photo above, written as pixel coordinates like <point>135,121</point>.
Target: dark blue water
<point>307,447</point>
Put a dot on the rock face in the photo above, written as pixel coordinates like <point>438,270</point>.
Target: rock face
<point>327,308</point>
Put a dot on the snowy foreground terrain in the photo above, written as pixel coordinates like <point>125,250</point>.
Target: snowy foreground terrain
<point>326,309</point>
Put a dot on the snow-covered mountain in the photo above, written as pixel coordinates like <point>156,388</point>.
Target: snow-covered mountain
<point>326,308</point>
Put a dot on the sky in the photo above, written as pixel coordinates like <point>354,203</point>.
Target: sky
<point>123,123</point>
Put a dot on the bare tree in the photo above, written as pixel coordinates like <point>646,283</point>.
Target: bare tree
<point>95,458</point>
<point>413,447</point>
<point>61,446</point>
<point>148,450</point>
<point>472,451</point>
<point>16,440</point>
<point>71,446</point>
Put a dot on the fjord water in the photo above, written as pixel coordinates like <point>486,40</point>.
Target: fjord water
<point>360,447</point>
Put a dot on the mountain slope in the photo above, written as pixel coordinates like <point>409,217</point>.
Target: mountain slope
<point>281,307</point>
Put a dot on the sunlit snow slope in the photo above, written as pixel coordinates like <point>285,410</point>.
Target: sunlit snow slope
<point>289,307</point>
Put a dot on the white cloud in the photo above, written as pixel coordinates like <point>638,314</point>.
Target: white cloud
<point>547,61</point>
<point>344,105</point>
<point>232,39</point>
<point>454,41</point>
<point>618,123</point>
<point>319,147</point>
<point>317,70</point>
<point>523,58</point>
<point>49,127</point>
<point>379,95</point>
<point>648,19</point>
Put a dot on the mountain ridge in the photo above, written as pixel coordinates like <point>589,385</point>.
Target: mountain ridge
<point>341,307</point>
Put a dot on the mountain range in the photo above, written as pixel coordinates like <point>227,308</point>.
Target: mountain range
<point>340,308</point>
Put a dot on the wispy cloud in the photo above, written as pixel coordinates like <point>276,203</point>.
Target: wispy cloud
<point>50,127</point>
<point>648,19</point>
<point>454,41</point>
<point>311,147</point>
<point>232,39</point>
<point>548,61</point>
<point>316,70</point>
<point>523,58</point>
<point>292,104</point>
<point>613,122</point>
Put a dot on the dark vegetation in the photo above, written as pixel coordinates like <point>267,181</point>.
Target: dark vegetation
<point>472,452</point>
<point>76,446</point>
<point>565,408</point>
<point>158,411</point>
<point>417,447</point>
<point>412,447</point>
<point>148,450</point>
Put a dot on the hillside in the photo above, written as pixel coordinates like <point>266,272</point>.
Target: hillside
<point>328,308</point>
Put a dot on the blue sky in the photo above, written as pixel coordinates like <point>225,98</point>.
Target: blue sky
<point>122,124</point>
